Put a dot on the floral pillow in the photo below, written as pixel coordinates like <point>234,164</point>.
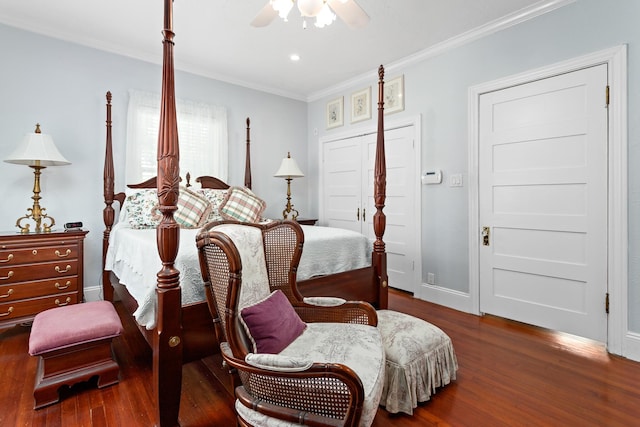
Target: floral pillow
<point>142,209</point>
<point>215,198</point>
<point>240,204</point>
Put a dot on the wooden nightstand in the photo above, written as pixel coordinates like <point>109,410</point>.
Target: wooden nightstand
<point>39,271</point>
<point>307,221</point>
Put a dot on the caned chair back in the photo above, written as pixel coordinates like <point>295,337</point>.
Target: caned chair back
<point>243,263</point>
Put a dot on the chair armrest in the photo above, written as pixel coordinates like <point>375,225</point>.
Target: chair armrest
<point>331,389</point>
<point>324,301</point>
<point>349,312</point>
<point>278,363</point>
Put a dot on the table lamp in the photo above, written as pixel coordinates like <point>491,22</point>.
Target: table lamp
<point>37,151</point>
<point>288,170</point>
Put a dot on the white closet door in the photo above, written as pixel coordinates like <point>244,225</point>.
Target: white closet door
<point>400,237</point>
<point>348,197</point>
<point>342,176</point>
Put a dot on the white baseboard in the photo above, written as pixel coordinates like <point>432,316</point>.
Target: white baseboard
<point>93,293</point>
<point>447,297</point>
<point>631,346</point>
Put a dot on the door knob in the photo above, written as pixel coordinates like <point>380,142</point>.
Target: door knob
<point>486,232</point>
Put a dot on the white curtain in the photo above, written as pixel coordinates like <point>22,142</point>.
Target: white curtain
<point>202,134</point>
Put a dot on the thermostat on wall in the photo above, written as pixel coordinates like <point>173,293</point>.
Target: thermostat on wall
<point>432,177</point>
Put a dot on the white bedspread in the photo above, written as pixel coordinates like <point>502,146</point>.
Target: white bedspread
<point>133,257</point>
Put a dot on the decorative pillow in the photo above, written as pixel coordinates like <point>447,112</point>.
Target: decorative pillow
<point>272,323</point>
<point>240,204</point>
<point>141,208</point>
<point>193,209</point>
<point>215,198</point>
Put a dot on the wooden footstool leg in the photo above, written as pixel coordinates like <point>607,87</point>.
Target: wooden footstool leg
<point>72,365</point>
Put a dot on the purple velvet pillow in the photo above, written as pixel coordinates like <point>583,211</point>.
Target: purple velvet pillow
<point>272,323</point>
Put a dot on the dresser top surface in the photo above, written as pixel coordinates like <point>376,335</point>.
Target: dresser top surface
<point>56,234</point>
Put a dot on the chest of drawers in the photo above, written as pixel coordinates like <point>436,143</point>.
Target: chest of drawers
<point>39,271</point>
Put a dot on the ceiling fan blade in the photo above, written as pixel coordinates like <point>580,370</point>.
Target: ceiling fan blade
<point>266,15</point>
<point>350,12</point>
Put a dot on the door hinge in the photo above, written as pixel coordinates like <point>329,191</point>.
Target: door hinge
<point>606,303</point>
<point>607,94</point>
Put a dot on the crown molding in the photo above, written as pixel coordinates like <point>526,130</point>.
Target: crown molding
<point>503,23</point>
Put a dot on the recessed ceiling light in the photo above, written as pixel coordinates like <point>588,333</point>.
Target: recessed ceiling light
<point>295,57</point>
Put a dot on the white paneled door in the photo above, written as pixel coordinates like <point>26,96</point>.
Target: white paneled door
<point>348,167</point>
<point>543,202</point>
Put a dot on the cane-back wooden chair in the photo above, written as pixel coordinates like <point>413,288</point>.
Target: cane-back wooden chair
<point>327,370</point>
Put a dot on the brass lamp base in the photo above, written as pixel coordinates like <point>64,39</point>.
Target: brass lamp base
<point>289,207</point>
<point>36,212</point>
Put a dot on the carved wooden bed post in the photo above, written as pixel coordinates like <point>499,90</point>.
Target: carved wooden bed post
<point>108,214</point>
<point>379,256</point>
<point>167,347</point>
<point>247,164</point>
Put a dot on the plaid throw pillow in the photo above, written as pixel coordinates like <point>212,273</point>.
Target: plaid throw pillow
<point>193,209</point>
<point>242,205</point>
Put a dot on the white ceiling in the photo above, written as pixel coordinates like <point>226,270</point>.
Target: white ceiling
<point>214,38</point>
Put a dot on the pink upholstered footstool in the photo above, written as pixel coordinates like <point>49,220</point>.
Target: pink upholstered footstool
<point>73,344</point>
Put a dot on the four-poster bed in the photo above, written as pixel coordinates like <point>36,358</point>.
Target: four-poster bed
<point>183,333</point>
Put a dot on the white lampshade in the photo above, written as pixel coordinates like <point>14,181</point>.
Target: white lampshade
<point>37,149</point>
<point>325,17</point>
<point>310,7</point>
<point>289,168</point>
<point>282,7</point>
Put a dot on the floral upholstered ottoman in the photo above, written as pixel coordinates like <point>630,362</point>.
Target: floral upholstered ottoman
<point>419,358</point>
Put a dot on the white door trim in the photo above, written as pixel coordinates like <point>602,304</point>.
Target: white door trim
<point>616,59</point>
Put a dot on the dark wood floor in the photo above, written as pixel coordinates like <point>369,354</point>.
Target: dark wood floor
<point>510,375</point>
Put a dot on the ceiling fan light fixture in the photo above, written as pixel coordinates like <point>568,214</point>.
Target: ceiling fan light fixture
<point>325,16</point>
<point>283,7</point>
<point>310,8</point>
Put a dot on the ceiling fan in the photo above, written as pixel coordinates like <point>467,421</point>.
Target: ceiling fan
<point>324,11</point>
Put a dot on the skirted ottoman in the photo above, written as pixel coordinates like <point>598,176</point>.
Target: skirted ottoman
<point>420,358</point>
<point>73,344</point>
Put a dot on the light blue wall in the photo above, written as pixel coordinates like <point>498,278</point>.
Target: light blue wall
<point>62,86</point>
<point>436,88</point>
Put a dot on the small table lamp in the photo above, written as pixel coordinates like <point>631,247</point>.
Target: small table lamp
<point>288,170</point>
<point>37,151</point>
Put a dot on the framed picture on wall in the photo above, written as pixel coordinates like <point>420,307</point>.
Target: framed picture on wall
<point>361,105</point>
<point>394,95</point>
<point>335,113</point>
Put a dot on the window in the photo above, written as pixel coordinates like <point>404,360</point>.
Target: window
<point>202,133</point>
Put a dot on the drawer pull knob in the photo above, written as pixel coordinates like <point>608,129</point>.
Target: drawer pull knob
<point>9,258</point>
<point>66,254</point>
<point>63,287</point>
<point>61,304</point>
<point>63,271</point>
<point>8,276</point>
<point>9,311</point>
<point>8,294</point>
<point>34,252</point>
